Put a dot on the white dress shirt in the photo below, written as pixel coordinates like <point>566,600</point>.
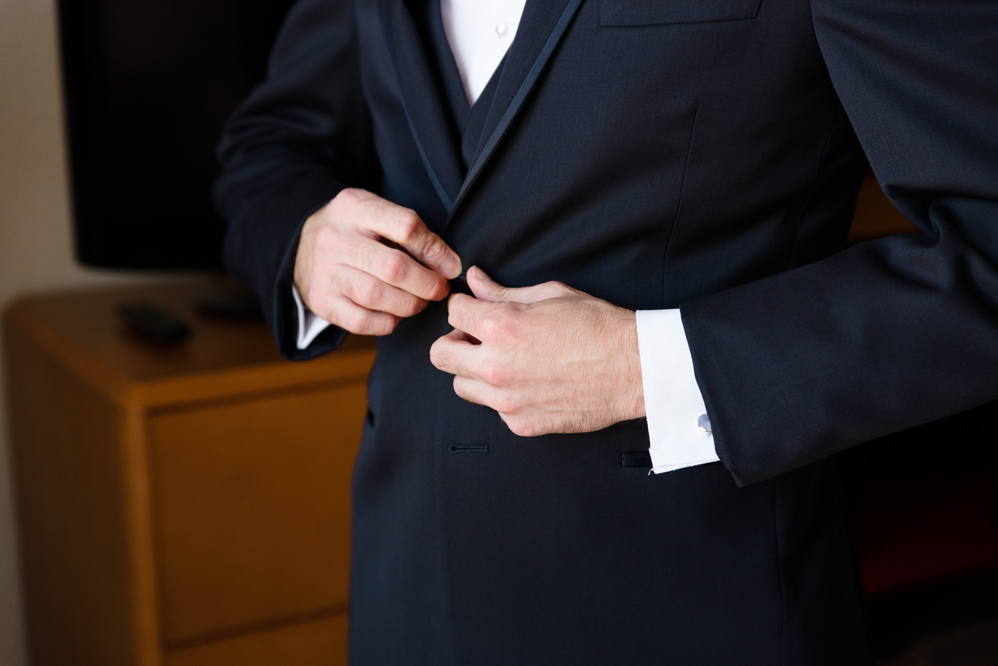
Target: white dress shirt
<point>479,33</point>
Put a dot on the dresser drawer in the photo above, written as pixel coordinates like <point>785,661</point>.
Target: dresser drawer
<point>317,643</point>
<point>251,511</point>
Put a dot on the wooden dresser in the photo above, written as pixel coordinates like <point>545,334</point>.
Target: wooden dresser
<point>179,506</point>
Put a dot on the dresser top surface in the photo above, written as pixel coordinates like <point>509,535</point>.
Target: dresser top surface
<point>81,329</point>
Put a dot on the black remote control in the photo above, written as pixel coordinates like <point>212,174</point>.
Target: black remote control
<point>154,322</point>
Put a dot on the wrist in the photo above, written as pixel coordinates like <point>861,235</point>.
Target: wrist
<point>302,268</point>
<point>629,386</point>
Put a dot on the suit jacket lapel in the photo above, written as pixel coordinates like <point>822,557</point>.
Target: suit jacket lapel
<point>541,28</point>
<point>422,101</point>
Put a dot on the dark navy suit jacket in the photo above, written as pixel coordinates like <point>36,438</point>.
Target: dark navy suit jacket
<point>702,154</point>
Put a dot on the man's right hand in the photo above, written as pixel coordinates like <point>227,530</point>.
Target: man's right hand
<point>363,263</point>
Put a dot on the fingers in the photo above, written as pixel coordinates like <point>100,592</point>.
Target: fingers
<point>462,357</point>
<point>454,353</point>
<point>398,269</point>
<point>351,317</point>
<point>371,293</point>
<point>403,226</point>
<point>463,337</point>
<point>477,318</point>
<point>514,414</point>
<point>496,311</point>
<point>474,391</point>
<point>475,378</point>
<point>484,288</point>
<point>362,262</point>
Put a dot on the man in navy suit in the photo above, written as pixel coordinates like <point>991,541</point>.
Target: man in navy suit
<point>630,168</point>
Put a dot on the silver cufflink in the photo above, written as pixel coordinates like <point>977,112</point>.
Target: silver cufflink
<point>704,423</point>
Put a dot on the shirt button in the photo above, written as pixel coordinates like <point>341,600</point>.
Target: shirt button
<point>501,29</point>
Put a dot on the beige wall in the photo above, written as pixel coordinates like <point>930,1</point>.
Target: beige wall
<point>35,250</point>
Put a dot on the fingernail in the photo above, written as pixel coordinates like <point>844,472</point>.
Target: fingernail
<point>451,267</point>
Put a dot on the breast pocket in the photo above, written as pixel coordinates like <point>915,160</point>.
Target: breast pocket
<point>663,12</point>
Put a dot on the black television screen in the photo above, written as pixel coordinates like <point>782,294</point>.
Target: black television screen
<point>148,85</point>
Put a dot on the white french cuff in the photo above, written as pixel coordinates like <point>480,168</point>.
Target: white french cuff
<point>309,323</point>
<point>673,402</point>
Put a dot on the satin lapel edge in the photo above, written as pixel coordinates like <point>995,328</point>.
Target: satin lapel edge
<point>540,62</point>
<point>386,10</point>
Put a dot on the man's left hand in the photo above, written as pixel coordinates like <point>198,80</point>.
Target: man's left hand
<point>548,358</point>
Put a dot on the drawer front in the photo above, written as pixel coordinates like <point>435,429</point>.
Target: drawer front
<point>251,510</point>
<point>317,643</point>
<point>664,12</point>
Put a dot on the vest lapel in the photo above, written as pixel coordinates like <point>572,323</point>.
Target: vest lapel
<point>422,101</point>
<point>541,28</point>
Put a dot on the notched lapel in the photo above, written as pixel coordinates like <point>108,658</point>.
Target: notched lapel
<point>541,28</point>
<point>422,100</point>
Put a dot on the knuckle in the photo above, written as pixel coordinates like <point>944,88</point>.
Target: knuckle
<point>454,311</point>
<point>531,429</point>
<point>347,197</point>
<point>393,267</point>
<point>347,323</point>
<point>338,208</point>
<point>435,250</point>
<point>437,289</point>
<point>386,325</point>
<point>518,426</point>
<point>493,373</point>
<point>413,306</point>
<point>409,226</point>
<point>366,292</point>
<point>503,324</point>
<point>490,326</point>
<point>506,406</point>
<point>359,322</point>
<point>556,289</point>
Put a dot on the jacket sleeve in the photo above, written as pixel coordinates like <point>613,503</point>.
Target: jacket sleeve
<point>302,136</point>
<point>892,333</point>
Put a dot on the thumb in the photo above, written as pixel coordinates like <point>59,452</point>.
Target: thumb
<point>486,289</point>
